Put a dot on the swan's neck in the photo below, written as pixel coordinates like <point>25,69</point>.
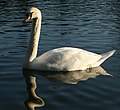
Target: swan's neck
<point>33,42</point>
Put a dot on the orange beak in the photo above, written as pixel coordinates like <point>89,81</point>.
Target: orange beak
<point>26,19</point>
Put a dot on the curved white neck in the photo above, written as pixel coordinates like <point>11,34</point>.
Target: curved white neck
<point>33,42</point>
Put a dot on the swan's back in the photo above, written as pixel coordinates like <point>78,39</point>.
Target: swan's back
<point>65,59</point>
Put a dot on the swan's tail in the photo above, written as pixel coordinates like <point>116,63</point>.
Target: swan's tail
<point>108,54</point>
<point>104,57</point>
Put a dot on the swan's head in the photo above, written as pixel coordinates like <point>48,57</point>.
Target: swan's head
<point>32,13</point>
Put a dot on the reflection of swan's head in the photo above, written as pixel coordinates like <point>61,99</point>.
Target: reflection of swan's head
<point>32,13</point>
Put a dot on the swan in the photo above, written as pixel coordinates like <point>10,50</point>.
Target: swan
<point>60,59</point>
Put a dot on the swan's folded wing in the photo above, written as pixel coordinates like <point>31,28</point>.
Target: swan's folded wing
<point>65,59</point>
<point>89,57</point>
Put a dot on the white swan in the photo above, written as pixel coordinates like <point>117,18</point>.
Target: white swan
<point>60,59</point>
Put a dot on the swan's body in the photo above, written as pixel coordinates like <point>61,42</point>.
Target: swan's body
<point>61,59</point>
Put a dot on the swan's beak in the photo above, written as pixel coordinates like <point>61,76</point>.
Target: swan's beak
<point>26,19</point>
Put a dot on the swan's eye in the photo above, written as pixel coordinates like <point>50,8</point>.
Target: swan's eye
<point>29,15</point>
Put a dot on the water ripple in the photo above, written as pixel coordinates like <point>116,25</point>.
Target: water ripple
<point>93,25</point>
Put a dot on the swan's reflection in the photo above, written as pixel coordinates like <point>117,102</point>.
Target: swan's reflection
<point>62,77</point>
<point>75,76</point>
<point>70,77</point>
<point>33,100</point>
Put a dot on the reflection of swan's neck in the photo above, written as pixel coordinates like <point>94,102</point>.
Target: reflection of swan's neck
<point>33,42</point>
<point>32,87</point>
<point>33,100</point>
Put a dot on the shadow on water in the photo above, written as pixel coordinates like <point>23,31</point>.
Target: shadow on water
<point>74,77</point>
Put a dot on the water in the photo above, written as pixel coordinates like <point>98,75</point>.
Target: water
<point>93,25</point>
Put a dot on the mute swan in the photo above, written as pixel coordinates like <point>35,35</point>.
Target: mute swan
<point>60,59</point>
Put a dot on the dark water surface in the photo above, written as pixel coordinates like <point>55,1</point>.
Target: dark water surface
<point>93,25</point>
